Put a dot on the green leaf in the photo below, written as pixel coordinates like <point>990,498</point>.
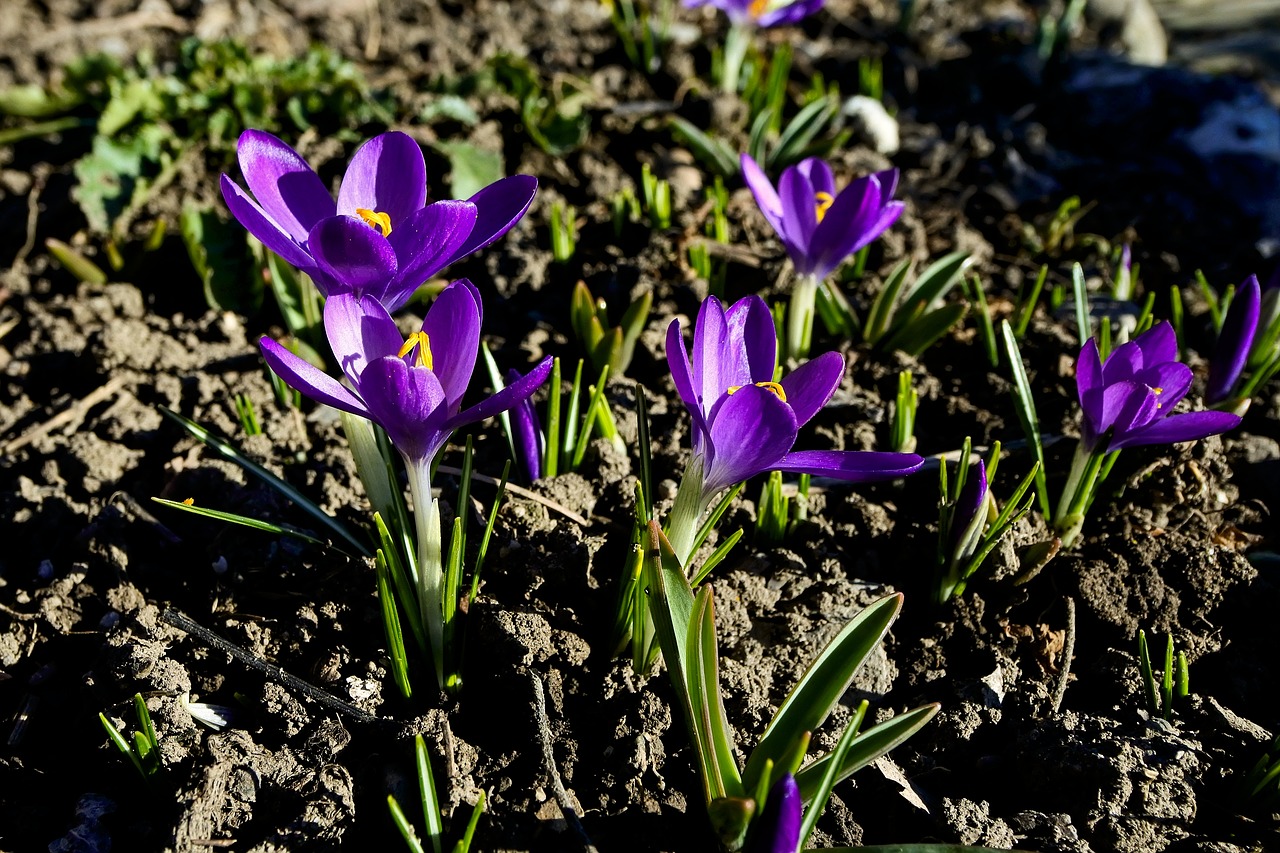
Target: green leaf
<point>882,307</point>
<point>402,823</point>
<point>243,521</point>
<point>801,130</point>
<point>828,781</point>
<point>1026,409</point>
<point>710,724</point>
<point>229,451</point>
<point>219,254</point>
<point>633,323</point>
<point>107,177</point>
<point>822,685</point>
<point>715,153</point>
<point>932,286</point>
<point>471,168</point>
<point>391,627</point>
<point>430,799</point>
<point>33,101</point>
<point>866,748</point>
<point>922,333</point>
<point>75,263</point>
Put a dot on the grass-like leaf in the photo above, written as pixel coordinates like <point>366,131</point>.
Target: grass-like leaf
<point>823,683</point>
<point>1026,409</point>
<point>231,452</point>
<point>243,521</point>
<point>866,748</point>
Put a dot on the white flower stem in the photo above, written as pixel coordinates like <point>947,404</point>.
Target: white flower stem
<point>800,313</point>
<point>689,507</point>
<point>426,514</point>
<point>736,42</point>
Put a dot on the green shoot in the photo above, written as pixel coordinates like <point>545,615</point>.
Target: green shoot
<point>564,231</point>
<point>248,417</point>
<point>144,752</point>
<point>1174,681</point>
<point>904,415</point>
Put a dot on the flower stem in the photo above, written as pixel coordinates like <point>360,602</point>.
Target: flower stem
<point>736,42</point>
<point>800,316</point>
<point>682,523</point>
<point>1077,495</point>
<point>426,515</point>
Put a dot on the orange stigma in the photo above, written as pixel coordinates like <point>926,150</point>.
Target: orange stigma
<point>825,201</point>
<point>773,388</point>
<point>375,219</point>
<point>423,344</point>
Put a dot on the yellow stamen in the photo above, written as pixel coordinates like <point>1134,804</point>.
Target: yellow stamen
<point>773,388</point>
<point>1157,390</point>
<point>423,343</point>
<point>825,201</point>
<point>375,219</point>
<point>758,8</point>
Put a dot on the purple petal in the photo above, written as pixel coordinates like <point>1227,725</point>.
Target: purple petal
<point>858,466</point>
<point>766,196</point>
<point>527,433</point>
<point>499,207</point>
<point>1159,344</point>
<point>387,175</point>
<point>888,180</point>
<point>819,176</point>
<point>1124,407</point>
<point>452,325</point>
<point>360,330</point>
<point>287,189</point>
<point>1169,381</point>
<point>710,343</point>
<point>750,433</point>
<point>426,244</point>
<point>790,13</point>
<point>855,219</point>
<point>261,225</point>
<point>811,385</point>
<point>409,404</point>
<point>356,256</point>
<point>777,828</point>
<point>309,379</point>
<point>799,217</point>
<point>751,333</point>
<point>1231,352</point>
<point>1088,373</point>
<point>505,399</point>
<point>682,376</point>
<point>1190,426</point>
<point>1125,362</point>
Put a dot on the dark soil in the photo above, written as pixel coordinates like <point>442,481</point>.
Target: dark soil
<point>992,143</point>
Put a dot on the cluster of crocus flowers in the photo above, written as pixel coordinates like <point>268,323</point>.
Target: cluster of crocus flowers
<point>1247,353</point>
<point>820,227</point>
<point>413,389</point>
<point>381,237</point>
<point>1129,401</point>
<point>744,422</point>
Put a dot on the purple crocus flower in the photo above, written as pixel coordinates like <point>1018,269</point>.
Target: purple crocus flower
<point>381,237</point>
<point>1235,341</point>
<point>1129,400</point>
<point>762,13</point>
<point>777,829</point>
<point>413,389</point>
<point>819,226</point>
<point>744,423</point>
